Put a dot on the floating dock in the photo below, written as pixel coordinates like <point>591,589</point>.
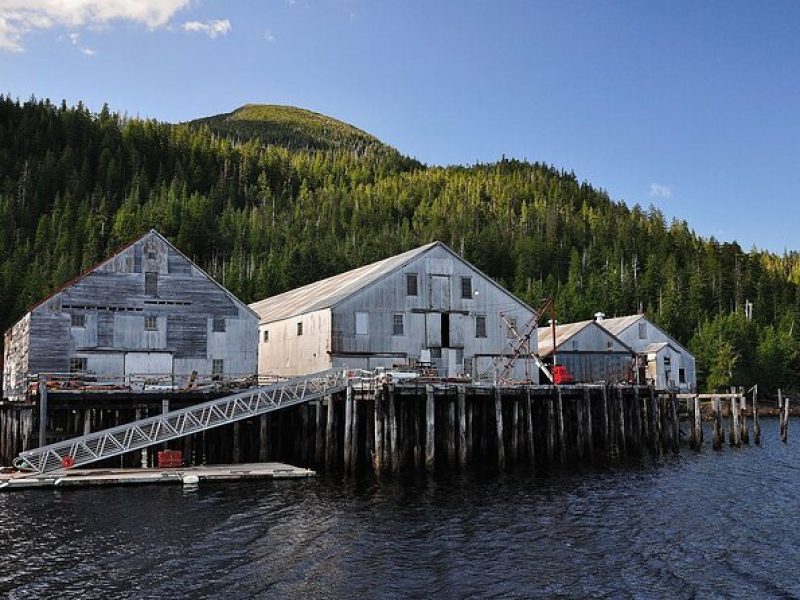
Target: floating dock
<point>103,477</point>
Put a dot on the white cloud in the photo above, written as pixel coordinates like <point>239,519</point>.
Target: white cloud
<point>19,17</point>
<point>268,36</point>
<point>660,191</point>
<point>88,51</point>
<point>74,38</point>
<point>212,28</point>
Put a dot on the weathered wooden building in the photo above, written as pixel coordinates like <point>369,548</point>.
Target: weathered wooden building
<point>589,352</point>
<point>426,305</point>
<point>146,311</point>
<point>660,358</point>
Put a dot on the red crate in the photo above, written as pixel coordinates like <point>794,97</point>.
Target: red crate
<point>170,459</point>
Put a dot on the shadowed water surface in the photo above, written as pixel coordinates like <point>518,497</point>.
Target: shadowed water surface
<point>700,525</point>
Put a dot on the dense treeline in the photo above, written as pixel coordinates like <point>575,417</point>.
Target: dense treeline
<point>264,218</point>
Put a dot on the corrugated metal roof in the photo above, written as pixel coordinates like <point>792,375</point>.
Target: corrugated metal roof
<point>617,325</point>
<point>563,333</point>
<point>328,292</point>
<point>656,346</point>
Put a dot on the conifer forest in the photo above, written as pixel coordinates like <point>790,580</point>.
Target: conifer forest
<point>270,198</point>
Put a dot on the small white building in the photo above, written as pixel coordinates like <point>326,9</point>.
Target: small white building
<point>660,358</point>
<point>426,305</point>
<point>589,352</point>
<point>145,313</point>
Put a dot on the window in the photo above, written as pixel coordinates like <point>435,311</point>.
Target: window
<point>299,328</point>
<point>218,324</point>
<point>609,345</point>
<point>466,288</point>
<point>480,326</point>
<point>78,320</point>
<point>362,323</point>
<point>217,367</point>
<point>411,284</point>
<point>574,344</point>
<point>667,361</point>
<point>681,375</point>
<point>77,365</point>
<point>398,324</point>
<point>150,323</point>
<point>642,331</point>
<point>151,283</point>
<point>151,255</point>
<point>266,335</point>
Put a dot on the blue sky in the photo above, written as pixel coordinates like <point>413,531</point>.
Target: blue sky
<point>691,106</point>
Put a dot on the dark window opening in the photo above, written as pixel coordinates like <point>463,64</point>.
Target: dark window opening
<point>78,320</point>
<point>398,324</point>
<point>681,375</point>
<point>300,328</point>
<point>218,324</point>
<point>77,365</point>
<point>151,283</point>
<point>217,368</point>
<point>150,323</point>
<point>466,288</point>
<point>445,330</point>
<point>642,331</point>
<point>411,284</point>
<point>266,335</point>
<point>480,326</point>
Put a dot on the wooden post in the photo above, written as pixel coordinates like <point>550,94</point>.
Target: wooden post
<point>551,428</point>
<point>42,411</point>
<point>621,413</point>
<point>470,429</point>
<point>262,437</point>
<point>354,438</point>
<point>637,419</point>
<point>498,420</point>
<point>745,431</point>
<point>676,424</point>
<point>462,426</point>
<point>606,430</point>
<point>785,430</point>
<point>450,405</point>
<point>655,428</point>
<point>330,441</point>
<point>698,423</point>
<point>377,457</point>
<point>395,449</point>
<point>514,430</point>
<point>430,428</point>
<point>87,421</point>
<point>756,424</point>
<point>562,442</point>
<point>733,422</point>
<point>645,420</point>
<point>348,429</point>
<point>529,427</point>
<point>717,441</point>
<point>587,405</point>
<point>579,416</point>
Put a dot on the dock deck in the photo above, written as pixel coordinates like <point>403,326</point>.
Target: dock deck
<point>101,477</point>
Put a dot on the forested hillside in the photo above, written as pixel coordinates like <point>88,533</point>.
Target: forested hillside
<point>267,207</point>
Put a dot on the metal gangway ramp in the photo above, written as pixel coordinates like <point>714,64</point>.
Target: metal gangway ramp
<point>107,443</point>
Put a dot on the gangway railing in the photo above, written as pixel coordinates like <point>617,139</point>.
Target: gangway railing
<point>175,424</point>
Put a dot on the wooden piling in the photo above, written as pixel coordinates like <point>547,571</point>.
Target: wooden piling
<point>579,442</point>
<point>606,427</point>
<point>498,420</point>
<point>717,440</point>
<point>562,442</point>
<point>551,428</point>
<point>698,423</point>
<point>394,448</point>
<point>330,441</point>
<point>744,429</point>
<point>785,430</point>
<point>377,457</point>
<point>42,411</point>
<point>514,430</point>
<point>529,427</point>
<point>430,427</point>
<point>676,424</point>
<point>655,420</point>
<point>462,426</point>
<point>354,437</point>
<point>733,422</point>
<point>587,406</point>
<point>348,429</point>
<point>262,437</point>
<point>621,416</point>
<point>756,424</point>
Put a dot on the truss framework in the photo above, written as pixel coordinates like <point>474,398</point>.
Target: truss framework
<point>140,434</point>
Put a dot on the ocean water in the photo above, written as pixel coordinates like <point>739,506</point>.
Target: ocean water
<point>699,525</point>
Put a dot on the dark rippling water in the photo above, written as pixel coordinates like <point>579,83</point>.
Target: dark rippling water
<point>712,524</point>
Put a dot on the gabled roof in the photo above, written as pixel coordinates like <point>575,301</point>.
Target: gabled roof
<point>122,249</point>
<point>617,325</point>
<point>564,333</point>
<point>329,292</point>
<point>657,347</point>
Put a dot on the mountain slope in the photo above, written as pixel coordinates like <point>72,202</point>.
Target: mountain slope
<point>293,128</point>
